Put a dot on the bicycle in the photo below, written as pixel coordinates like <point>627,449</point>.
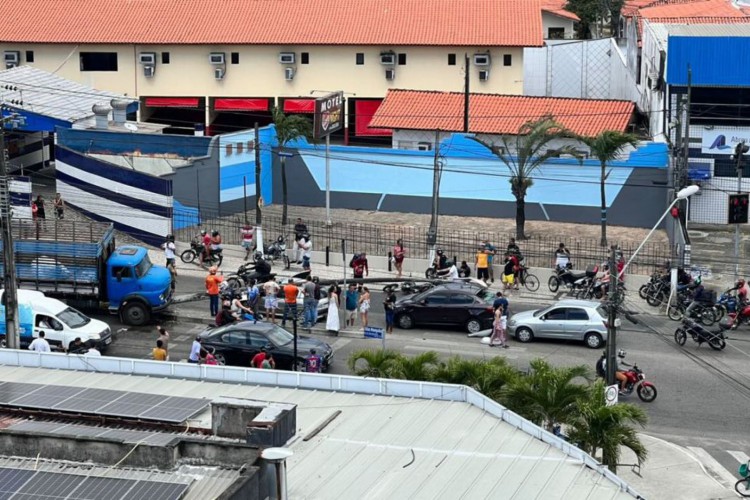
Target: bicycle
<point>530,281</point>
<point>743,485</point>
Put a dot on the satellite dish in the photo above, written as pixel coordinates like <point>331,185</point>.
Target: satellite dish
<point>131,126</point>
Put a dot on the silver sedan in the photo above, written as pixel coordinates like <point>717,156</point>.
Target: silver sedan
<point>582,320</point>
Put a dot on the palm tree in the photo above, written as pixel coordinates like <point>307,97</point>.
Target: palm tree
<point>419,367</point>
<point>288,129</point>
<point>597,426</point>
<point>525,156</point>
<point>373,363</point>
<point>485,376</point>
<point>606,147</point>
<point>546,395</point>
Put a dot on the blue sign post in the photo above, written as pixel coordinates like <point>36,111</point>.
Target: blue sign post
<point>372,332</point>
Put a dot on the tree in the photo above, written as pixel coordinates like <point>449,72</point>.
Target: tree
<point>373,363</point>
<point>596,426</point>
<point>606,147</point>
<point>419,367</point>
<point>591,12</point>
<point>528,153</point>
<point>288,128</point>
<point>485,376</point>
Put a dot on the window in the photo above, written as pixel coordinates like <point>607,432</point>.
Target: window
<point>229,149</point>
<point>48,322</point>
<point>165,57</point>
<point>360,58</point>
<point>556,33</point>
<point>143,267</point>
<point>507,60</point>
<point>451,59</point>
<point>234,337</point>
<point>402,59</point>
<point>437,299</point>
<point>461,299</point>
<point>235,57</point>
<point>239,148</point>
<point>98,61</point>
<point>577,315</point>
<point>73,318</point>
<point>256,340</point>
<point>555,315</point>
<point>304,58</point>
<point>122,272</point>
<point>250,145</point>
<point>29,56</point>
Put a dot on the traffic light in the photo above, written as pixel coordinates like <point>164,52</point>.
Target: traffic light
<point>738,205</point>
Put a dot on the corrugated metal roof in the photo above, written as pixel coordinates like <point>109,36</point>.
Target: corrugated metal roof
<point>387,447</point>
<point>722,30</point>
<point>47,94</point>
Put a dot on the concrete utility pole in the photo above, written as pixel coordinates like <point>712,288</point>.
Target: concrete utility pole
<point>739,150</point>
<point>613,304</point>
<point>10,295</point>
<point>432,231</point>
<point>467,79</point>
<point>258,198</point>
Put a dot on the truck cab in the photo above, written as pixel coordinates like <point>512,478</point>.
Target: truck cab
<point>135,287</point>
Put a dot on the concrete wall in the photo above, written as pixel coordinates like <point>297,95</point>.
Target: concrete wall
<point>259,72</point>
<point>552,21</point>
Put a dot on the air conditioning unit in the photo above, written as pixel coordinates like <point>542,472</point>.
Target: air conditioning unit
<point>289,73</point>
<point>219,73</point>
<point>287,58</point>
<point>147,58</point>
<point>484,75</point>
<point>216,58</point>
<point>390,74</point>
<point>12,58</point>
<point>149,71</point>
<point>387,58</point>
<point>424,146</point>
<point>482,60</point>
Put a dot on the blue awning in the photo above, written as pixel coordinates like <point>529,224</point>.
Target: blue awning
<point>698,171</point>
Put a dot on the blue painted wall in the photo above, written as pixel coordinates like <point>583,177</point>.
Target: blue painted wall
<point>237,165</point>
<point>110,142</point>
<point>34,122</point>
<point>714,61</point>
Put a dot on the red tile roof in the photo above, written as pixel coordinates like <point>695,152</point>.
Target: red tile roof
<point>557,7</point>
<point>497,114</point>
<point>486,23</point>
<point>684,12</point>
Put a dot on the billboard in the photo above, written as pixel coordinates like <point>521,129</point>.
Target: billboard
<point>723,140</point>
<point>329,114</point>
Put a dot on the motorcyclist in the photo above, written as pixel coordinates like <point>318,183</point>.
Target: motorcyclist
<point>619,374</point>
<point>451,272</point>
<point>262,266</point>
<point>700,296</point>
<point>464,271</point>
<point>215,242</point>
<point>441,261</point>
<point>741,291</point>
<point>205,240</point>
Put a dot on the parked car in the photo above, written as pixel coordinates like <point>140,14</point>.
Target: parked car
<point>582,320</point>
<point>464,306</point>
<point>237,343</point>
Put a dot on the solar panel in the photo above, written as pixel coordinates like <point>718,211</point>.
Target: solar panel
<point>89,400</point>
<point>13,390</point>
<point>11,481</point>
<point>124,435</point>
<point>154,490</point>
<point>102,488</point>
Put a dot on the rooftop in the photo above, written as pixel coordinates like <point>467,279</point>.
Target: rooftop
<point>685,12</point>
<point>497,114</point>
<point>698,30</point>
<point>485,23</point>
<point>557,7</point>
<point>379,439</point>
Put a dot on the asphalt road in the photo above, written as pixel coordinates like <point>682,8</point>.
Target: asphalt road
<point>703,395</point>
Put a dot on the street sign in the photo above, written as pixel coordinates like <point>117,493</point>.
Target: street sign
<point>329,114</point>
<point>611,394</point>
<point>372,332</point>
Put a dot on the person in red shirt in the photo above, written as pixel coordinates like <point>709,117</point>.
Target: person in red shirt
<point>290,301</point>
<point>257,361</point>
<point>205,240</point>
<point>212,288</point>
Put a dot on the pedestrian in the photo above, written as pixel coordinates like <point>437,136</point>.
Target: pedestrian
<point>210,359</point>
<point>164,337</point>
<point>399,253</point>
<point>317,296</point>
<point>291,291</point>
<point>300,229</point>
<point>169,254</point>
<point>240,311</point>
<point>77,347</point>
<point>212,287</point>
<point>509,271</point>
<point>40,207</point>
<point>364,306</point>
<point>389,305</point>
<point>513,247</point>
<point>562,256</point>
<point>491,250</point>
<point>464,271</point>
<point>34,211</point>
<point>332,320</point>
<point>268,362</point>
<point>501,301</point>
<point>481,261</point>
<point>308,315</point>
<point>59,204</point>
<point>253,298</point>
<point>305,247</point>
<point>257,360</point>
<point>360,266</point>
<point>159,353</point>
<point>195,351</point>
<point>352,301</point>
<point>248,232</point>
<point>271,289</point>
<point>313,362</point>
<point>498,337</point>
<point>39,344</point>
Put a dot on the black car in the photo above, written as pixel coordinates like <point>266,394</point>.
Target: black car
<point>463,306</point>
<point>237,343</point>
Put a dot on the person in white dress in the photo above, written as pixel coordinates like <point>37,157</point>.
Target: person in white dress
<point>332,322</point>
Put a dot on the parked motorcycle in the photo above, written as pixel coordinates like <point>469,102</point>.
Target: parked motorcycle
<point>715,339</point>
<point>703,312</point>
<point>215,257</point>
<point>277,251</point>
<point>564,276</point>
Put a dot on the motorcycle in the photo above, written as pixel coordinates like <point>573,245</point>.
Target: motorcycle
<point>277,251</point>
<point>726,304</point>
<point>715,340</point>
<point>740,316</point>
<point>215,257</point>
<point>241,279</point>
<point>637,382</point>
<point>564,276</point>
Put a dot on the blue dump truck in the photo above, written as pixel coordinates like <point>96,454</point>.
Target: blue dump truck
<point>78,262</point>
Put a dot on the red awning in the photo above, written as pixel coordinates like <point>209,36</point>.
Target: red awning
<point>299,105</point>
<point>240,104</point>
<point>172,102</point>
<point>363,113</point>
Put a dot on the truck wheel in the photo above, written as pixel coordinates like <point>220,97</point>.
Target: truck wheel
<point>135,314</point>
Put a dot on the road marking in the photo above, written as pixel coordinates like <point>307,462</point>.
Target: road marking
<point>713,467</point>
<point>478,352</point>
<point>740,456</point>
<point>340,343</point>
<point>181,338</point>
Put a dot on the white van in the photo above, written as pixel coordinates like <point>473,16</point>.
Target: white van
<point>60,323</point>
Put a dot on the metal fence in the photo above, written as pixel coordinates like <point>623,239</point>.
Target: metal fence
<point>379,239</point>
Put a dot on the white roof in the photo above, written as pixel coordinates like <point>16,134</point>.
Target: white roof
<point>662,31</point>
<point>50,95</point>
<point>378,446</point>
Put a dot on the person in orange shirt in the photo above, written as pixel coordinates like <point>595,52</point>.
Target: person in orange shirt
<point>212,287</point>
<point>159,353</point>
<point>290,301</point>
